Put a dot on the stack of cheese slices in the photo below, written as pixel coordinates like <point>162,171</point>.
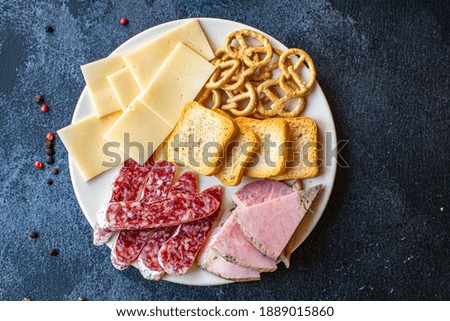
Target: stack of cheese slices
<point>138,97</point>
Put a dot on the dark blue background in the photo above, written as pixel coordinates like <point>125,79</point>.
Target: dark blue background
<point>384,67</point>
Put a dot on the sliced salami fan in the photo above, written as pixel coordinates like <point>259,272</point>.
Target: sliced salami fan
<point>129,244</point>
<point>175,210</point>
<point>126,187</point>
<point>147,262</point>
<point>178,254</point>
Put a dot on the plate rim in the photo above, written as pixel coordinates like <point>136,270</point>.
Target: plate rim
<point>120,49</point>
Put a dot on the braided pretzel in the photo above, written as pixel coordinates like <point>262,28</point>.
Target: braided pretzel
<point>296,87</point>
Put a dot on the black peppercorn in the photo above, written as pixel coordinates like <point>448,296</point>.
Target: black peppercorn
<point>38,99</point>
<point>53,252</point>
<point>49,181</point>
<point>49,160</point>
<point>48,143</point>
<point>49,29</point>
<point>55,171</point>
<point>33,234</point>
<point>50,152</point>
<point>81,298</point>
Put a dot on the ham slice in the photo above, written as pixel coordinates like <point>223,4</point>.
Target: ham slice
<point>217,265</point>
<point>270,225</point>
<point>231,244</point>
<point>260,191</point>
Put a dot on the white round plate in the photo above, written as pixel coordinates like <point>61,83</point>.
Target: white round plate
<point>92,194</point>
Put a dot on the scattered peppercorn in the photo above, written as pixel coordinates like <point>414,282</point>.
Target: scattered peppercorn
<point>53,252</point>
<point>26,299</point>
<point>33,234</point>
<point>123,21</point>
<point>50,136</point>
<point>48,143</point>
<point>38,165</point>
<point>44,108</point>
<point>50,152</point>
<point>81,298</point>
<point>49,160</point>
<point>49,181</point>
<point>38,98</point>
<point>49,29</point>
<point>55,171</point>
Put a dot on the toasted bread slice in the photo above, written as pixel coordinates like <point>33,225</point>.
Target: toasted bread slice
<point>200,138</point>
<point>302,149</point>
<point>270,158</point>
<point>239,152</point>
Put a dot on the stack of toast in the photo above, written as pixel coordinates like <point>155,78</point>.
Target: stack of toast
<point>212,143</point>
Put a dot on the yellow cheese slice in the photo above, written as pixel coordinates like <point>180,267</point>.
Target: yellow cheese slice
<point>145,61</point>
<point>178,81</point>
<point>139,131</point>
<point>90,151</point>
<point>96,76</point>
<point>124,87</point>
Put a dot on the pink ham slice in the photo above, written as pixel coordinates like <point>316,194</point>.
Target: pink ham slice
<point>270,225</point>
<point>260,191</point>
<point>231,244</point>
<point>208,260</point>
<point>129,244</point>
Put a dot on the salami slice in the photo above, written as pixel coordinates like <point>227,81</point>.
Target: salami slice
<point>129,244</point>
<point>128,247</point>
<point>175,210</point>
<point>147,262</point>
<point>158,181</point>
<point>178,254</point>
<point>126,187</point>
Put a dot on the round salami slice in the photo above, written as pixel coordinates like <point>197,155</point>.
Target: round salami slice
<point>178,254</point>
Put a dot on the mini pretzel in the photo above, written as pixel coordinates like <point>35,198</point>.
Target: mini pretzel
<point>244,52</point>
<point>297,87</point>
<point>221,54</point>
<point>278,103</point>
<point>205,95</point>
<point>233,101</point>
<point>264,88</point>
<point>238,80</point>
<point>261,73</point>
<point>222,75</point>
<point>296,111</point>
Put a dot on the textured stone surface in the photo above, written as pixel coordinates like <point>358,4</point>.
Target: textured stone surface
<point>384,69</point>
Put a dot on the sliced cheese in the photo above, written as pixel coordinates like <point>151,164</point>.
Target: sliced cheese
<point>90,151</point>
<point>178,81</point>
<point>96,76</point>
<point>139,131</point>
<point>124,87</point>
<point>145,61</point>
